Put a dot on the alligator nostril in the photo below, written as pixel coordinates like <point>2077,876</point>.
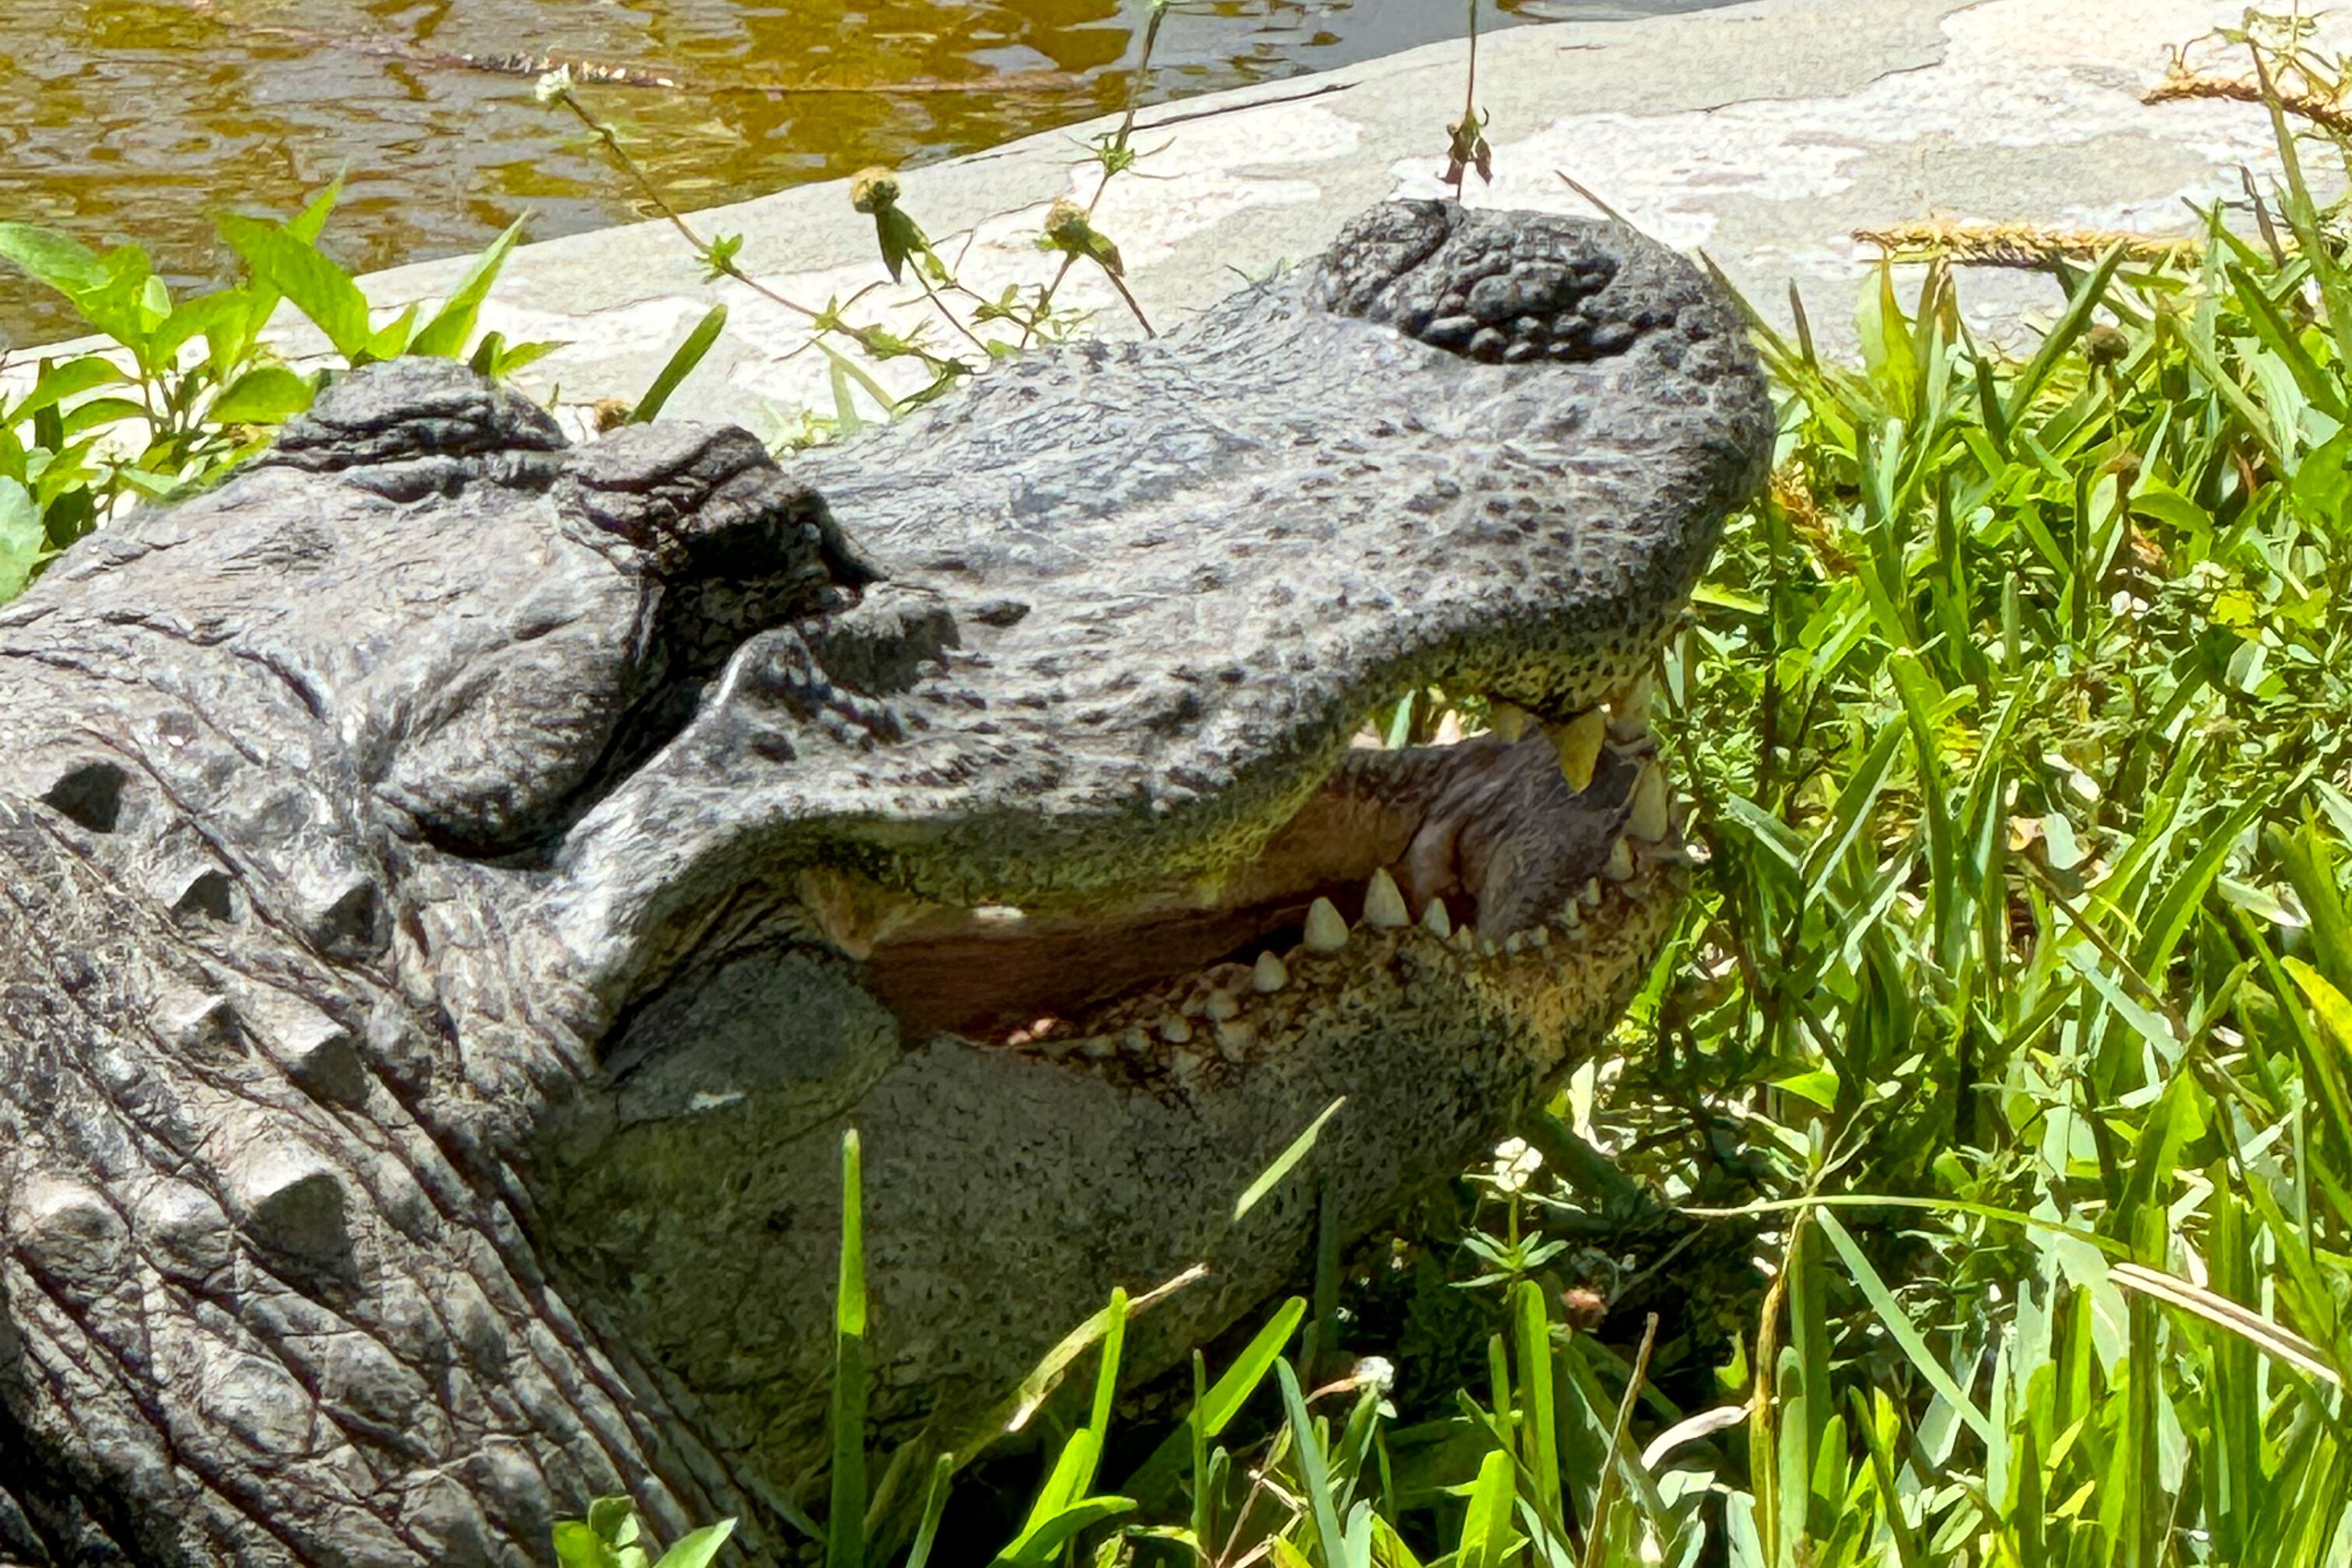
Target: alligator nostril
<point>91,795</point>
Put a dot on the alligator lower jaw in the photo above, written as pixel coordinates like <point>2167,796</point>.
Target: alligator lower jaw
<point>1479,861</point>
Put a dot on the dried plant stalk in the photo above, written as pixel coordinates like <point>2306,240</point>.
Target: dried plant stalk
<point>2017,244</point>
<point>2322,109</point>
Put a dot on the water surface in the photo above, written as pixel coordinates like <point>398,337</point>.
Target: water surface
<point>134,119</point>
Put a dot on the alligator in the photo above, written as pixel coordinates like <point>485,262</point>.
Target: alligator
<point>457,887</point>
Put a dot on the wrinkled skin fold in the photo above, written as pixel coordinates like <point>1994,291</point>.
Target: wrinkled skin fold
<point>457,886</point>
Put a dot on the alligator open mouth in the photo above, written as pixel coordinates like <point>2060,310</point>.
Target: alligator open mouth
<point>1487,850</point>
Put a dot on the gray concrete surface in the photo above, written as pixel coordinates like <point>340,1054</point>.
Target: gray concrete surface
<point>1763,134</point>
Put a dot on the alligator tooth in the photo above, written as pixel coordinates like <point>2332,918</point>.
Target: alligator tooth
<point>1579,744</point>
<point>1175,1030</point>
<point>1487,948</point>
<point>1647,819</point>
<point>1630,710</point>
<point>1435,921</point>
<point>1135,1042</point>
<point>1327,929</point>
<point>1221,1006</point>
<point>1384,905</point>
<point>1591,896</point>
<point>1235,1037</point>
<point>1270,975</point>
<point>1570,915</point>
<point>1508,721</point>
<point>1621,862</point>
<point>998,914</point>
<point>1466,938</point>
<point>1540,936</point>
<point>1515,943</point>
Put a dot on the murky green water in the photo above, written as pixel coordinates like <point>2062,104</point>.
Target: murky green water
<point>134,119</point>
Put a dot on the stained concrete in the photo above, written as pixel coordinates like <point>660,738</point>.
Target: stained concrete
<point>1763,134</point>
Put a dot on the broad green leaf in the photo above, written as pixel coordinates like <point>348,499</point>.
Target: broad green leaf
<point>22,538</point>
<point>59,261</point>
<point>697,1549</point>
<point>96,414</point>
<point>267,396</point>
<point>578,1546</point>
<point>318,288</point>
<point>2151,1025</point>
<point>614,1519</point>
<point>59,384</point>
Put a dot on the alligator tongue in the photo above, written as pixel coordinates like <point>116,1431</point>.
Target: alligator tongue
<point>1490,829</point>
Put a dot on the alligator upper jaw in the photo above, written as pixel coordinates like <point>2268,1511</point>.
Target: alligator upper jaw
<point>1484,843</point>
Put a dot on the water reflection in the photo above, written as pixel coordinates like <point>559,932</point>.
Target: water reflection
<point>133,120</point>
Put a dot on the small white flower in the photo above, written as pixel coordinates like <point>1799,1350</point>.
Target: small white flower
<point>1516,1164</point>
<point>556,84</point>
<point>1374,1371</point>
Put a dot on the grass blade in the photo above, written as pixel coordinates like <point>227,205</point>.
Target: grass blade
<point>845,1538</point>
<point>681,365</point>
<point>1285,1163</point>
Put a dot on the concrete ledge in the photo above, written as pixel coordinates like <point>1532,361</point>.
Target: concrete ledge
<point>1762,132</point>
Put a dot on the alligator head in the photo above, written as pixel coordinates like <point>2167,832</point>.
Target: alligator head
<point>459,887</point>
